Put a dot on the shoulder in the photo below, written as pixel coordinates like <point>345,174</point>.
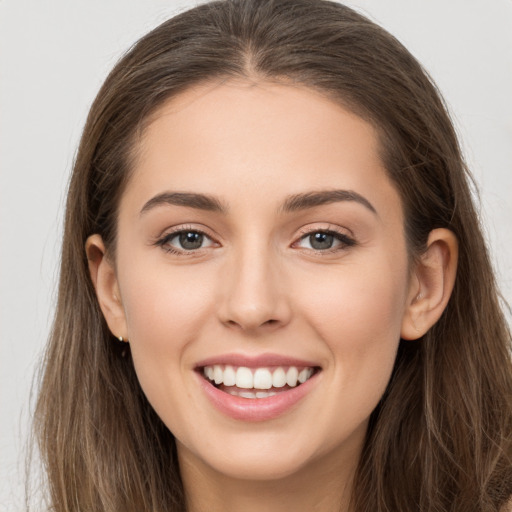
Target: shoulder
<point>507,507</point>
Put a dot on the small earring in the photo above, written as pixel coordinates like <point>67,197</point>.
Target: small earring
<point>419,296</point>
<point>125,342</point>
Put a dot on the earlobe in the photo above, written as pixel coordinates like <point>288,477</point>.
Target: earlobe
<point>432,285</point>
<point>104,279</point>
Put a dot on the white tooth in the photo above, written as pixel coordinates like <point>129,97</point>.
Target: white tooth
<point>244,378</point>
<point>279,378</point>
<point>229,376</point>
<point>262,378</point>
<point>246,394</point>
<point>305,374</point>
<point>291,376</point>
<point>218,374</point>
<point>209,372</point>
<point>262,394</point>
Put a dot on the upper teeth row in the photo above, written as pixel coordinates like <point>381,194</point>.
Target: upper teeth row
<point>258,378</point>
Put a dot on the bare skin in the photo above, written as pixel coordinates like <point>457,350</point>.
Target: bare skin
<point>329,283</point>
<point>280,495</point>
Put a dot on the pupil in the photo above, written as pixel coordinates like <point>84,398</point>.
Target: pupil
<point>321,240</point>
<point>191,240</point>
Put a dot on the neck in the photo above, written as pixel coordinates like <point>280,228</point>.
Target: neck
<point>323,485</point>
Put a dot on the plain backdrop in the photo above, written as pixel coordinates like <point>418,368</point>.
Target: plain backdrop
<point>54,55</point>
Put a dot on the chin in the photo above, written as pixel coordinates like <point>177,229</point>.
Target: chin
<point>260,465</point>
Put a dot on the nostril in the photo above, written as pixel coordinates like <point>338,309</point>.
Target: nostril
<point>252,325</point>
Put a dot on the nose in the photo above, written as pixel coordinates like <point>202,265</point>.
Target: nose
<point>254,296</point>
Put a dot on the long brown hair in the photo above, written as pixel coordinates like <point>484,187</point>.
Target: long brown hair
<point>441,437</point>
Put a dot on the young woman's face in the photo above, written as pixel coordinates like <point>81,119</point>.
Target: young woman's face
<point>261,243</point>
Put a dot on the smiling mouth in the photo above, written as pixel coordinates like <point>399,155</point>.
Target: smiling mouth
<point>256,383</point>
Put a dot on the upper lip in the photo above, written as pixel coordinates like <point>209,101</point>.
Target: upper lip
<point>256,361</point>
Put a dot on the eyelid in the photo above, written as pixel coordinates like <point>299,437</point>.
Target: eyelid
<point>169,233</point>
<point>345,240</point>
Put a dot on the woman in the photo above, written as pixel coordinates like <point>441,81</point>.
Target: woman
<point>274,288</point>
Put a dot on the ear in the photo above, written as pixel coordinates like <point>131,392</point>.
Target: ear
<point>105,283</point>
<point>431,284</point>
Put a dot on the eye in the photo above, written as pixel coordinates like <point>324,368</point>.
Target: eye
<point>325,240</point>
<point>185,240</point>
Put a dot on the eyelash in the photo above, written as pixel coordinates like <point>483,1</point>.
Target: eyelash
<point>164,241</point>
<point>344,241</point>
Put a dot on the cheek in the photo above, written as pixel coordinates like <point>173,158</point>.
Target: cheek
<point>357,312</point>
<point>164,304</point>
<point>367,301</point>
<point>166,307</point>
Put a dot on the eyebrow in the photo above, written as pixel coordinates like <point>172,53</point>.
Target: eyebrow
<point>311,199</point>
<point>188,199</point>
<point>292,203</point>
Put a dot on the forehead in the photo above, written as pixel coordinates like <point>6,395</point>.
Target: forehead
<point>238,137</point>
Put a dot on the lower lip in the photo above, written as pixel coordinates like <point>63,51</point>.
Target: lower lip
<point>257,409</point>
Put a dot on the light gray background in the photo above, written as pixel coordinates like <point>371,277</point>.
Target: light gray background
<point>54,55</point>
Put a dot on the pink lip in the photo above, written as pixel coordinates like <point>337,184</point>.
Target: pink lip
<point>256,409</point>
<point>259,361</point>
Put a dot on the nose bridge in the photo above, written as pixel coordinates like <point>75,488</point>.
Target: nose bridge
<point>254,296</point>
